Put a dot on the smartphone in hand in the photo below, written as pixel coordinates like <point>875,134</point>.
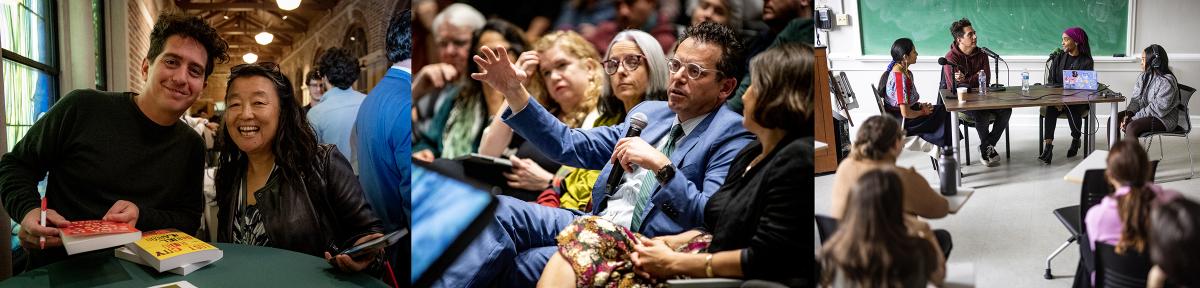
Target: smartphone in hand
<point>366,247</point>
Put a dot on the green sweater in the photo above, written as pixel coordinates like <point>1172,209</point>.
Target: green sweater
<point>98,147</point>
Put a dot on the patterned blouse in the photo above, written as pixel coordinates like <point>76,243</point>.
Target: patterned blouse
<point>248,222</point>
<point>599,251</point>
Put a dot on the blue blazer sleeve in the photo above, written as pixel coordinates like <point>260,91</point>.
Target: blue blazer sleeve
<point>585,148</point>
<point>684,199</point>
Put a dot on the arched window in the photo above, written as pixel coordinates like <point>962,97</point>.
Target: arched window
<point>356,42</point>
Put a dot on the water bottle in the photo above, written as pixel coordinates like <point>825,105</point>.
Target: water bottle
<point>982,82</point>
<point>949,171</point>
<point>1025,81</point>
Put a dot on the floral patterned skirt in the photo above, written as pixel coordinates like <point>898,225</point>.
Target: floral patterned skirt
<point>599,253</point>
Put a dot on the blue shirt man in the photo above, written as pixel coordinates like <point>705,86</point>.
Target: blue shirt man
<point>333,120</point>
<point>384,147</point>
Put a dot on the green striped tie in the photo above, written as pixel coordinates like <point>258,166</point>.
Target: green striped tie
<point>650,181</point>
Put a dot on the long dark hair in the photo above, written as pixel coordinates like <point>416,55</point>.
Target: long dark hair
<point>473,90</point>
<point>1129,165</point>
<point>873,248</point>
<point>900,48</point>
<point>1155,52</point>
<point>295,142</point>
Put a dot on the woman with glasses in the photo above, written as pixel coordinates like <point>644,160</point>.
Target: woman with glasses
<point>636,68</point>
<point>568,77</point>
<point>288,193</point>
<point>750,226</point>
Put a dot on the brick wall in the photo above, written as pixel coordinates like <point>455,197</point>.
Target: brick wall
<point>142,14</point>
<point>329,31</point>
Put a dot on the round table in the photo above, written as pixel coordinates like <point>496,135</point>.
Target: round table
<point>241,266</point>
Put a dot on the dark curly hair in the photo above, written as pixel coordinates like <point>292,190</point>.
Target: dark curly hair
<point>171,24</point>
<point>399,37</point>
<point>314,75</point>
<point>956,29</point>
<point>710,32</point>
<point>295,142</point>
<point>339,67</point>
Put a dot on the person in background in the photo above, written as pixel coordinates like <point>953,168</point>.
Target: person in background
<point>435,86</point>
<point>878,144</point>
<point>928,121</point>
<point>1173,236</point>
<point>1077,55</point>
<point>788,21</point>
<point>123,157</point>
<point>750,224</point>
<point>633,14</point>
<point>581,15</point>
<point>966,54</point>
<point>637,72</point>
<point>1122,219</point>
<point>1155,105</point>
<point>316,87</point>
<point>384,141</point>
<point>334,119</point>
<point>288,193</point>
<point>874,245</point>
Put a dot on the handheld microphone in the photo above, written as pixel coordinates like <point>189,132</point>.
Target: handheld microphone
<point>990,53</point>
<point>636,123</point>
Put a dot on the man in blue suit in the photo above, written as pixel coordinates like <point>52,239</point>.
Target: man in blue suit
<point>679,161</point>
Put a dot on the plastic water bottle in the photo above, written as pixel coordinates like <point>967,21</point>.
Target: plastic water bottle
<point>982,82</point>
<point>1025,81</point>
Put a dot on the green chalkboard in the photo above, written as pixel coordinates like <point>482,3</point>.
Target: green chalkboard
<point>1009,27</point>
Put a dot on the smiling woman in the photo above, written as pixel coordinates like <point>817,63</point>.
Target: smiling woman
<point>286,193</point>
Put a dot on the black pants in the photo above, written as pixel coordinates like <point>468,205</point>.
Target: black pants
<point>998,118</point>
<point>943,239</point>
<point>1074,118</point>
<point>1138,127</point>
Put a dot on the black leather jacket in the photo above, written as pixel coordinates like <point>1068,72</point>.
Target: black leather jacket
<point>307,221</point>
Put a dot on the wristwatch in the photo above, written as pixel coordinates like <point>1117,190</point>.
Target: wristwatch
<point>664,174</point>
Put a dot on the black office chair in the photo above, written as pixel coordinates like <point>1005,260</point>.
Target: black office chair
<point>1129,269</point>
<point>826,226</point>
<point>1182,131</point>
<point>1095,187</point>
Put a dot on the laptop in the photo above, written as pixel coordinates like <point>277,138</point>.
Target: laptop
<point>447,214</point>
<point>1080,80</point>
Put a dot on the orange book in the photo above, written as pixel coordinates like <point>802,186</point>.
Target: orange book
<point>88,235</point>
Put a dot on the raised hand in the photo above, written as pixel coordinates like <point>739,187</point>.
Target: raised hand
<point>498,71</point>
<point>528,61</point>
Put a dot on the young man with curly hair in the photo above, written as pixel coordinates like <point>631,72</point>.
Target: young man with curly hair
<point>334,117</point>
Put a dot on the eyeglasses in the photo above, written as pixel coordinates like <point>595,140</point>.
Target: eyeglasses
<point>453,43</point>
<point>270,66</point>
<point>631,63</point>
<point>694,71</point>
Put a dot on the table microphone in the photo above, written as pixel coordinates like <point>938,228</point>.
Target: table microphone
<point>636,123</point>
<point>990,53</point>
<point>942,61</point>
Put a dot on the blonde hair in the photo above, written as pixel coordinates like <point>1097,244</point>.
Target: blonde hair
<point>578,47</point>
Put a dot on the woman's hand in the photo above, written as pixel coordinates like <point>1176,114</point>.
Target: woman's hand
<point>424,156</point>
<point>528,62</point>
<point>527,175</point>
<point>653,259</point>
<point>347,264</point>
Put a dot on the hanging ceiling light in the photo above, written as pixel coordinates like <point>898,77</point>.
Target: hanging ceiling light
<point>264,38</point>
<point>288,4</point>
<point>250,57</point>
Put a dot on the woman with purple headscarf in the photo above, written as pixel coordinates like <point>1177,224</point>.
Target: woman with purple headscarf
<point>1075,54</point>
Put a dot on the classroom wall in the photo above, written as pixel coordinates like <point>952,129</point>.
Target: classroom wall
<point>1163,22</point>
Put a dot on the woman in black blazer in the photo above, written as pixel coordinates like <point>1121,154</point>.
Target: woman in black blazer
<point>752,225</point>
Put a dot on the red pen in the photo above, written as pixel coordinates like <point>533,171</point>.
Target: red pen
<point>42,239</point>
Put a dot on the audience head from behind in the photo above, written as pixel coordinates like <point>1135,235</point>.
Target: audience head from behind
<point>776,12</point>
<point>872,246</point>
<point>637,71</point>
<point>1173,244</point>
<point>182,54</point>
<point>570,75</point>
<point>339,67</point>
<point>398,42</point>
<point>452,30</point>
<point>705,70</point>
<point>260,108</point>
<point>1128,166</point>
<point>878,138</point>
<point>904,53</point>
<point>780,93</point>
<point>316,85</point>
